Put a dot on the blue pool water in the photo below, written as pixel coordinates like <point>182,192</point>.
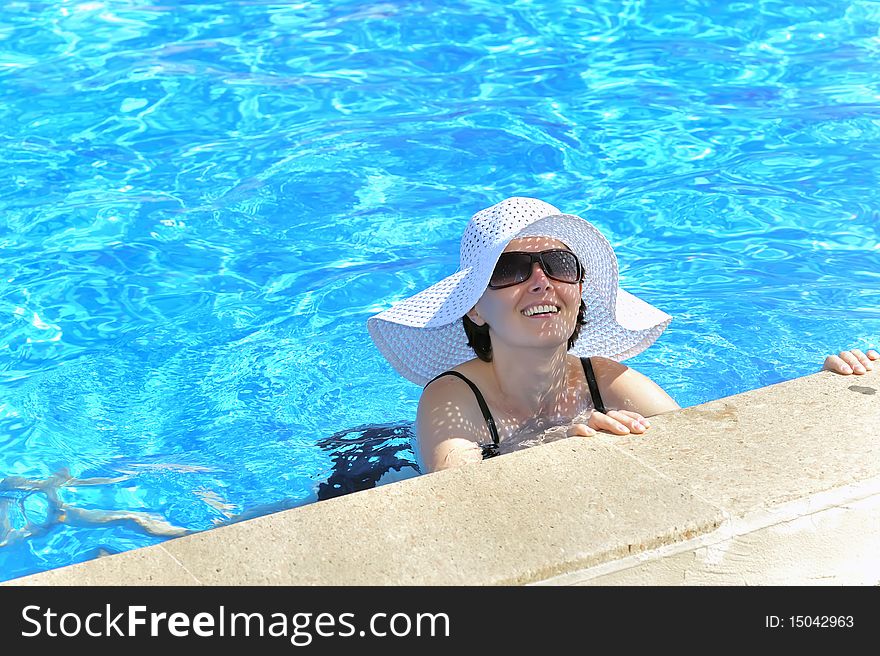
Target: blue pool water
<point>203,203</point>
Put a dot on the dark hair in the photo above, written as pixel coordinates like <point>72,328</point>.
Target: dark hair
<point>478,336</point>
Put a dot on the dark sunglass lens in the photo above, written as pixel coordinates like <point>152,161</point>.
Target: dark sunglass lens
<point>562,266</point>
<point>511,268</point>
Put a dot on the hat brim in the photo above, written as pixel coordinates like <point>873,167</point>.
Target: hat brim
<point>423,336</point>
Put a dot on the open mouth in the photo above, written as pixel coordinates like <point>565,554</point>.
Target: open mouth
<point>540,311</point>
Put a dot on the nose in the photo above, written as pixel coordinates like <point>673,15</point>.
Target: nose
<point>539,280</point>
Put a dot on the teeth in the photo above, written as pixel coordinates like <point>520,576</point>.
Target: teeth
<point>540,309</point>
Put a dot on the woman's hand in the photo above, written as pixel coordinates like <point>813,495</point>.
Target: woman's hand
<point>851,362</point>
<point>619,422</point>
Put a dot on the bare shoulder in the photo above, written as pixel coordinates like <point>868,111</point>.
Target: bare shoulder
<point>445,393</point>
<point>449,425</point>
<point>624,388</point>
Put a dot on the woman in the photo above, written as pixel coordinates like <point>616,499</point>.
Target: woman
<point>536,300</point>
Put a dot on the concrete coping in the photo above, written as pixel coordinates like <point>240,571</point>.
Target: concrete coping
<point>779,485</point>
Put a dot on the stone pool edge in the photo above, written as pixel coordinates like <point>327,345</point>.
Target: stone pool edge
<point>720,493</point>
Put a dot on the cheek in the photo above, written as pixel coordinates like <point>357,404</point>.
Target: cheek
<point>573,297</point>
<point>493,305</point>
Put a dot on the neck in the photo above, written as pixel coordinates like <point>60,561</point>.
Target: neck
<point>532,382</point>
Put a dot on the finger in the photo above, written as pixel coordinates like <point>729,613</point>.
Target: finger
<point>863,359</point>
<point>630,413</point>
<point>602,421</point>
<point>873,355</point>
<point>635,415</point>
<point>852,360</point>
<point>837,365</point>
<point>635,422</point>
<point>580,430</point>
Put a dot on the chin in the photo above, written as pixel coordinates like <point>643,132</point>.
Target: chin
<point>548,342</point>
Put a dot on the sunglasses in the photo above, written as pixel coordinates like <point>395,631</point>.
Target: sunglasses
<point>515,267</point>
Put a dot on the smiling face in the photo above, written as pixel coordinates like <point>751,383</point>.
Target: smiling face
<point>540,312</point>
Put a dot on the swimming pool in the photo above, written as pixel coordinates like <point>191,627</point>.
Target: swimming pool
<point>204,203</point>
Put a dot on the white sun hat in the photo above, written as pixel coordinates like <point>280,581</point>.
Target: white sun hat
<point>423,336</point>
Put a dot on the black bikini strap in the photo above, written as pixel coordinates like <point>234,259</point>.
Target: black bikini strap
<point>490,422</point>
<point>594,386</point>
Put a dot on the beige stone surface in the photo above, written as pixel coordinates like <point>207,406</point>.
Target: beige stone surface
<point>768,446</point>
<point>510,520</point>
<point>828,539</point>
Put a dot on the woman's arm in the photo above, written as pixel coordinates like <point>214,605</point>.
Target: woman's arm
<point>448,426</point>
<point>624,388</point>
<point>628,396</point>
